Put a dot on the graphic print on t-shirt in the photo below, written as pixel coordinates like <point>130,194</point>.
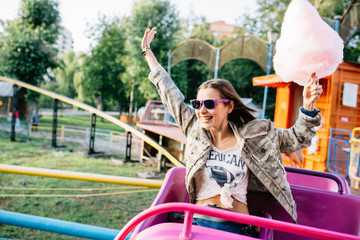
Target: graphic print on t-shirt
<point>225,168</point>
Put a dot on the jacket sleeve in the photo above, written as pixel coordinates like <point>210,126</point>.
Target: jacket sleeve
<point>299,135</point>
<point>172,98</point>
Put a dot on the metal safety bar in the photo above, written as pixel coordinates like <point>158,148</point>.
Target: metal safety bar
<point>339,182</point>
<point>57,226</point>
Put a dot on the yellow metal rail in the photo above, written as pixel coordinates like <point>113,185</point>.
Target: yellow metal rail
<point>354,167</point>
<point>93,110</point>
<point>92,177</point>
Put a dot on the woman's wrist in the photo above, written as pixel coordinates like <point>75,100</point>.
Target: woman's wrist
<point>309,107</point>
<point>151,59</point>
<point>145,50</point>
<point>309,113</point>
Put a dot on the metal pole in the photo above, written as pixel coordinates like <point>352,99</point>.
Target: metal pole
<point>159,153</point>
<point>337,23</point>
<point>28,131</point>
<point>54,126</point>
<point>14,110</point>
<point>217,59</point>
<point>169,62</point>
<point>56,226</point>
<point>268,66</point>
<point>92,134</point>
<point>128,147</point>
<point>91,177</point>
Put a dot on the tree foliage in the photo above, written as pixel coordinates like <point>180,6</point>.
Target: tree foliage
<point>26,51</point>
<point>24,56</point>
<point>352,50</point>
<point>104,67</point>
<point>65,74</point>
<point>146,14</point>
<point>270,13</point>
<point>42,16</point>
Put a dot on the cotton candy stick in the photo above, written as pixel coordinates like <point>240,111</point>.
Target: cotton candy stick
<point>306,45</point>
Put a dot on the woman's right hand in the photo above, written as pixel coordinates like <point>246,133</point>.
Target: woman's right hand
<point>311,93</point>
<point>148,37</point>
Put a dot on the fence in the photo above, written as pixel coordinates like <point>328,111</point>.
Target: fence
<point>105,140</point>
<point>22,128</point>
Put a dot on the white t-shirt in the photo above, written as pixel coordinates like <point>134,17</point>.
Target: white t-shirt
<point>224,173</point>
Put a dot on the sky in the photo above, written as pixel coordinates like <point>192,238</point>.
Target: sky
<point>75,14</point>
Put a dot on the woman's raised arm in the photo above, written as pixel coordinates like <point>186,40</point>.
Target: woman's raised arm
<point>146,50</point>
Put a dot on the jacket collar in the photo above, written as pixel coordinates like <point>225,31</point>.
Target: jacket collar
<point>254,128</point>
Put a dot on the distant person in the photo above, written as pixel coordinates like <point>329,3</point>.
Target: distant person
<point>17,120</point>
<point>35,121</point>
<point>15,116</point>
<point>9,118</point>
<point>229,152</point>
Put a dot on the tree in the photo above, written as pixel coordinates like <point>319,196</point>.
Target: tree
<point>43,17</point>
<point>25,56</point>
<point>145,14</point>
<point>352,50</point>
<point>65,74</point>
<point>26,50</point>
<point>270,13</point>
<point>79,77</point>
<point>332,8</point>
<point>105,65</point>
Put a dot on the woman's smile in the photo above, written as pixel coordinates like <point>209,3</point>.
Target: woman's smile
<point>205,119</point>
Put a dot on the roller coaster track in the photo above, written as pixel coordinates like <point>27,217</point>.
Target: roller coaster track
<point>99,113</point>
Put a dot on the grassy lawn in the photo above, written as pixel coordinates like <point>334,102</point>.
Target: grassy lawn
<point>106,211</point>
<point>81,121</point>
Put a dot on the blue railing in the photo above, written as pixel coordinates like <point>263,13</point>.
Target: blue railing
<point>339,152</point>
<point>57,226</point>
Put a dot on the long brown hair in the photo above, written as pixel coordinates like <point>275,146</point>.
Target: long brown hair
<point>241,114</point>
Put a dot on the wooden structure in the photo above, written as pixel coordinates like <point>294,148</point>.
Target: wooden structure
<point>157,123</point>
<point>339,103</point>
<point>7,99</point>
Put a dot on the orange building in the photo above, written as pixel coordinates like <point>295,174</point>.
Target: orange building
<point>221,29</point>
<point>339,103</point>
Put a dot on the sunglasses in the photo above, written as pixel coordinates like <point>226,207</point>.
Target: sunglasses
<point>208,103</point>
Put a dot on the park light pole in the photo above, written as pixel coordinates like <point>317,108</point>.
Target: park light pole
<point>272,36</point>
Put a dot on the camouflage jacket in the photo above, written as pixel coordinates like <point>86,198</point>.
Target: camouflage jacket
<point>261,144</point>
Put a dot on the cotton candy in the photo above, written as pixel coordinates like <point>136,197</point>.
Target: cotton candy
<point>307,45</point>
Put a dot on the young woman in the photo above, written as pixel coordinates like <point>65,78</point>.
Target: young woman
<point>229,152</point>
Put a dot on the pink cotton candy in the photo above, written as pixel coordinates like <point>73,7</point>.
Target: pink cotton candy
<point>307,45</point>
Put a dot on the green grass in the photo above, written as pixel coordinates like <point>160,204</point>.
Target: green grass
<point>105,211</point>
<point>81,121</point>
